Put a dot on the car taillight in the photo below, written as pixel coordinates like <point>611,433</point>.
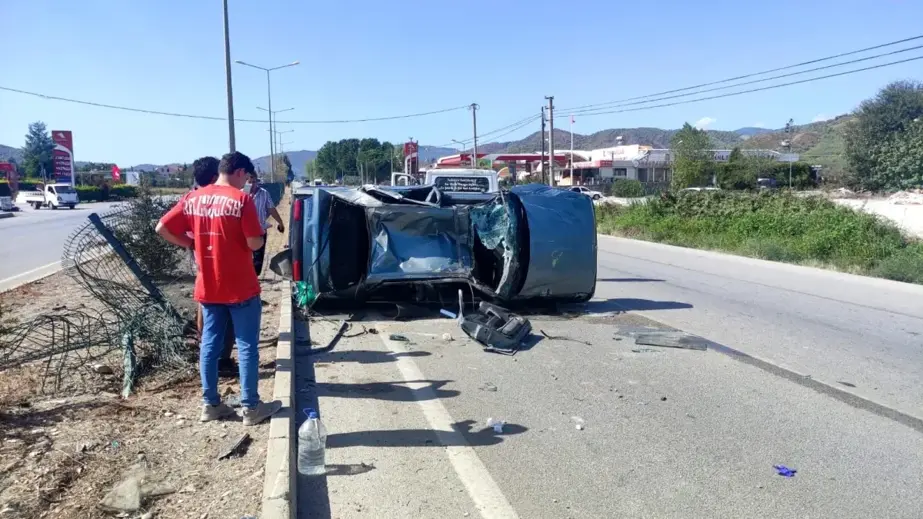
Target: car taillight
<point>298,205</point>
<point>296,270</point>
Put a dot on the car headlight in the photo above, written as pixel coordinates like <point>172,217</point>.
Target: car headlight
<point>59,199</point>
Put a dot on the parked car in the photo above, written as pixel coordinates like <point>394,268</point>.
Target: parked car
<point>419,243</point>
<point>50,195</point>
<point>6,200</point>
<point>766,183</point>
<point>594,195</point>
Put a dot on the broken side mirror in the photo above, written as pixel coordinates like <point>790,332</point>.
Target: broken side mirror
<point>281,264</point>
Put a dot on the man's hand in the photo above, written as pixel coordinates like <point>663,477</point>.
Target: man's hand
<point>280,227</point>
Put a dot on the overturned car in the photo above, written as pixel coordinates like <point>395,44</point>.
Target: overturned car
<point>419,243</point>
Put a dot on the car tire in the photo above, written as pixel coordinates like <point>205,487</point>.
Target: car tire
<point>54,207</point>
<point>71,206</point>
<point>596,197</point>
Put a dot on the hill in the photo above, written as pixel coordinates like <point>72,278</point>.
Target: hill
<point>820,143</point>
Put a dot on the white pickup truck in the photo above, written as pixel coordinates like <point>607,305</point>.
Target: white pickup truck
<point>50,195</point>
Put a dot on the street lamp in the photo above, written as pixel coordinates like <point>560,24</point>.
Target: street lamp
<point>461,149</point>
<point>272,129</point>
<point>278,135</point>
<point>227,69</point>
<point>269,96</point>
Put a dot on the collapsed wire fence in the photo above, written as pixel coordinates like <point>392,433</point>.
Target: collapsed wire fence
<point>140,319</point>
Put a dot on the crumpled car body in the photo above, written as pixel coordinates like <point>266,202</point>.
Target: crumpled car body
<point>530,242</point>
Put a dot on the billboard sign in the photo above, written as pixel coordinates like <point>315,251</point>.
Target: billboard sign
<point>63,156</point>
<point>411,158</point>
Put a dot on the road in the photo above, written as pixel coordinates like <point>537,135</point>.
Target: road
<point>33,240</point>
<point>662,432</point>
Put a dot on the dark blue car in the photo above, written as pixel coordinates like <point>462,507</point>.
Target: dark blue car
<point>388,243</point>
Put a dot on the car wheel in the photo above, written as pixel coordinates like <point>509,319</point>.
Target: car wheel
<point>54,207</point>
<point>71,206</point>
<point>596,197</point>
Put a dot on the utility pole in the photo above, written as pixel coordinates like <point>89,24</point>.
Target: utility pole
<point>544,167</point>
<point>227,67</point>
<point>474,120</point>
<point>550,140</point>
<point>789,129</point>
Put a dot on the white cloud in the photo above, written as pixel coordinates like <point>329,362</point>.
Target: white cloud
<point>821,117</point>
<point>705,122</point>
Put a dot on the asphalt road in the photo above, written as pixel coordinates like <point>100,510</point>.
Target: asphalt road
<point>600,427</point>
<point>33,240</point>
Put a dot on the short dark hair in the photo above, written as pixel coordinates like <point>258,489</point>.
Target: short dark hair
<point>231,162</point>
<point>205,171</point>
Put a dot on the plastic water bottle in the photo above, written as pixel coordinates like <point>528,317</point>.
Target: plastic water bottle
<point>312,440</point>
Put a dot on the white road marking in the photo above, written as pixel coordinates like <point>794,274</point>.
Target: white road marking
<point>481,487</point>
<point>54,267</point>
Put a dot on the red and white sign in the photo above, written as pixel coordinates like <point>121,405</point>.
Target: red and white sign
<point>63,156</point>
<point>116,174</point>
<point>411,158</point>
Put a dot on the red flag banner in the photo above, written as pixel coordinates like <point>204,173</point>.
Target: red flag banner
<point>116,173</point>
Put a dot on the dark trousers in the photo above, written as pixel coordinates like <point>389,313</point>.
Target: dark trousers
<point>258,256</point>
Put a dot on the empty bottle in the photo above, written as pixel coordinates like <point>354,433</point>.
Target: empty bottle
<point>312,440</point>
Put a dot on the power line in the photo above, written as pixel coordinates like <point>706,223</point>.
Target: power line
<point>211,118</point>
<point>825,67</point>
<point>770,87</point>
<point>493,133</point>
<point>747,76</point>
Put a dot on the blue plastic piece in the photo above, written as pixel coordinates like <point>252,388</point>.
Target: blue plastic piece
<point>785,471</point>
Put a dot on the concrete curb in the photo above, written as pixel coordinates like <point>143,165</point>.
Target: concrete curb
<point>280,476</point>
<point>6,215</point>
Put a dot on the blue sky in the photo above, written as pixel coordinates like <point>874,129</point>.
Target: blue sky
<point>366,58</point>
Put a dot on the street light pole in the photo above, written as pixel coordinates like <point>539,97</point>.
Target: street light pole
<point>272,137</point>
<point>269,95</point>
<point>227,66</point>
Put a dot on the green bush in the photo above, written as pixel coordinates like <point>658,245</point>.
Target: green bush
<point>95,194</point>
<point>627,188</point>
<point>774,226</point>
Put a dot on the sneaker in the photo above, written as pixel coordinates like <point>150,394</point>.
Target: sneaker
<point>263,410</point>
<point>215,412</point>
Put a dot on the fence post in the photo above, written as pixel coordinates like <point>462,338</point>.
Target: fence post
<point>134,267</point>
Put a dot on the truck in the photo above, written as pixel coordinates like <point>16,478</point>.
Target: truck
<point>455,180</point>
<point>50,195</point>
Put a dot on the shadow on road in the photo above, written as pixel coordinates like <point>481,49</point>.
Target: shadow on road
<point>367,356</point>
<point>630,305</point>
<point>390,391</point>
<point>629,280</point>
<point>462,433</point>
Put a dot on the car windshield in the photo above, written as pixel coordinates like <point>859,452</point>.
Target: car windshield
<point>64,190</point>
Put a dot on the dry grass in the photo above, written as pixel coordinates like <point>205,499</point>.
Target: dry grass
<point>60,455</point>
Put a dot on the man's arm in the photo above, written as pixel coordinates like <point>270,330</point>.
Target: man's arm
<point>180,241</point>
<point>174,226</point>
<point>250,223</point>
<point>277,218</point>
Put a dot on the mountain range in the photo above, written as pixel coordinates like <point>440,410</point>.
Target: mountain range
<point>819,142</point>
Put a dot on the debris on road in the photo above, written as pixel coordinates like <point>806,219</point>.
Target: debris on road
<point>580,422</point>
<point>496,424</point>
<point>672,340</point>
<point>447,337</point>
<point>448,314</point>
<point>133,491</point>
<point>847,384</point>
<point>563,338</point>
<point>496,328</point>
<point>239,448</point>
<point>398,337</point>
<point>489,386</point>
<point>784,471</point>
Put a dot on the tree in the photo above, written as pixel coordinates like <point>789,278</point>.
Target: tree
<point>693,162</point>
<point>37,153</point>
<point>884,129</point>
<point>283,169</point>
<point>365,159</point>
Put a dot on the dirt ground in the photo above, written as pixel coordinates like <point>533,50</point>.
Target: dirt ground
<point>61,454</point>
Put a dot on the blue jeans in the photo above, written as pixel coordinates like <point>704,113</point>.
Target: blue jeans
<point>246,319</point>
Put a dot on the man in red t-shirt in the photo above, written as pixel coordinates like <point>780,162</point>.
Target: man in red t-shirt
<point>223,222</point>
